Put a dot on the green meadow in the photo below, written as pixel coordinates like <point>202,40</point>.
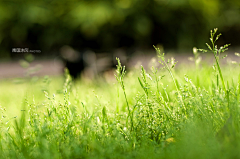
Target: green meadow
<point>164,111</point>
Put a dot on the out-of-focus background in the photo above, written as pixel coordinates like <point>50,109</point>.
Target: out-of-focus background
<point>53,30</point>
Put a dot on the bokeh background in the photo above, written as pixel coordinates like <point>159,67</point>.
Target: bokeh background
<point>105,25</point>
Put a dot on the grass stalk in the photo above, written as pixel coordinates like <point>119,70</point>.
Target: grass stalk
<point>165,64</point>
<point>120,75</point>
<point>216,52</point>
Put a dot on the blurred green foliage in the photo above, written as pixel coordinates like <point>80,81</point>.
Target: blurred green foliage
<point>108,24</point>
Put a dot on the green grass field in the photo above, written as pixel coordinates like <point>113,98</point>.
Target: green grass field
<point>163,112</point>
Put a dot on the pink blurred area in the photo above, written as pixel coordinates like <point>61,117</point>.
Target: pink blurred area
<point>36,68</point>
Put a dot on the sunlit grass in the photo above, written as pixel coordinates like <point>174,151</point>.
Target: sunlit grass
<point>178,112</point>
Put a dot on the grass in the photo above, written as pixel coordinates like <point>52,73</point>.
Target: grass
<point>163,112</point>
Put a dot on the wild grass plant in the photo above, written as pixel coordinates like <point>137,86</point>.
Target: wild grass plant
<point>165,112</point>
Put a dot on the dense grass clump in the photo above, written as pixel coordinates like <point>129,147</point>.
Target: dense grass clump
<point>163,112</point>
